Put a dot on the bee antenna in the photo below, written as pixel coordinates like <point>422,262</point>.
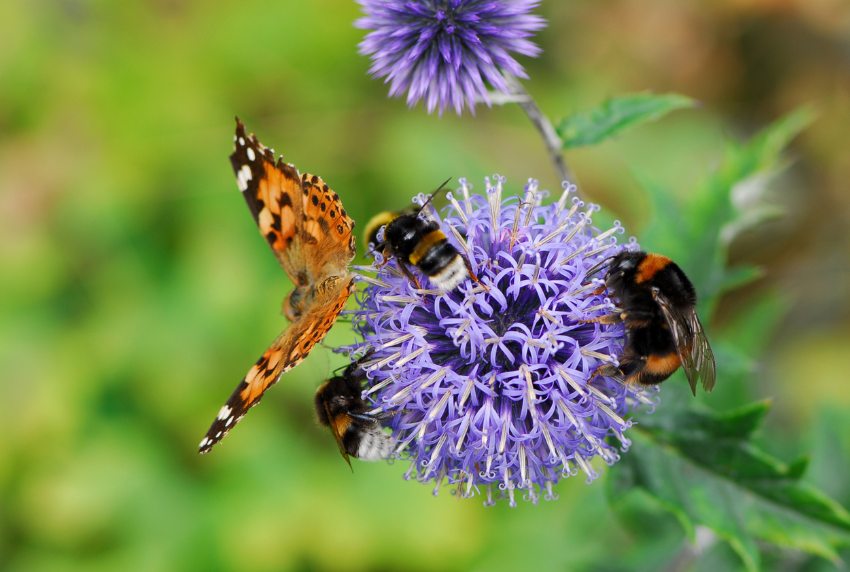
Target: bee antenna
<point>440,188</point>
<point>598,266</point>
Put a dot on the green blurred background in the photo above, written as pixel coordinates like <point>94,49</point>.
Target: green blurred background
<point>135,290</point>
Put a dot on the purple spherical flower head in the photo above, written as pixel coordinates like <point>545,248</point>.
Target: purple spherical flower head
<point>490,385</point>
<point>445,50</point>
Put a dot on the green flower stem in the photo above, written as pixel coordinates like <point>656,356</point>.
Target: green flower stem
<point>544,127</point>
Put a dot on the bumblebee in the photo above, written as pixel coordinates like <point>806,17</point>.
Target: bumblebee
<point>418,242</point>
<point>657,305</point>
<point>340,408</point>
<point>370,234</point>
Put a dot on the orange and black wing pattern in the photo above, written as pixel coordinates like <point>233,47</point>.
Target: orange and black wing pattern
<point>307,228</point>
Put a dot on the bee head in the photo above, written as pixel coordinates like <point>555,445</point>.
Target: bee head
<point>624,263</point>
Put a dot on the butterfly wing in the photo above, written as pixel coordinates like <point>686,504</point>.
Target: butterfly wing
<point>300,217</point>
<point>691,343</point>
<point>309,232</point>
<point>287,351</point>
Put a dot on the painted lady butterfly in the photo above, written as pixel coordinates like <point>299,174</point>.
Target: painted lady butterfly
<point>307,228</point>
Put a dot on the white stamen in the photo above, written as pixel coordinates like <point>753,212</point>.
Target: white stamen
<point>561,228</point>
<point>435,410</point>
<point>396,341</point>
<point>400,299</point>
<point>383,362</point>
<point>465,188</point>
<point>457,208</point>
<point>467,390</point>
<point>522,465</point>
<point>410,357</point>
<point>579,225</point>
<point>459,238</point>
<point>504,434</point>
<point>574,253</point>
<point>378,387</point>
<point>597,355</point>
<point>610,413</point>
<point>464,427</point>
<point>374,281</point>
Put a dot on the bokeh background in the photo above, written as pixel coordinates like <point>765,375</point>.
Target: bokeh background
<point>135,290</point>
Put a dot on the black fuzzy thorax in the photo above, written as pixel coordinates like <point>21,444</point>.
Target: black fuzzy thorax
<point>646,327</point>
<point>405,232</point>
<point>632,295</point>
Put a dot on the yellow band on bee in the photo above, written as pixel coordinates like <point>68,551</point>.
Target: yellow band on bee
<point>425,245</point>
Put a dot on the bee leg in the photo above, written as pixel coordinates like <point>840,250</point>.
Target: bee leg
<point>408,273</point>
<point>627,371</point>
<point>472,274</point>
<point>609,319</point>
<point>607,370</point>
<point>384,263</point>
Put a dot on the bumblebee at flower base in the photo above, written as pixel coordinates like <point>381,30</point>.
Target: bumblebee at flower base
<point>662,328</point>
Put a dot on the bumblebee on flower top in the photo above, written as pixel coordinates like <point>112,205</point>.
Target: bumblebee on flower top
<point>418,242</point>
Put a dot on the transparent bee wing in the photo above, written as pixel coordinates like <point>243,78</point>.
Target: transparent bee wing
<point>691,343</point>
<point>336,433</point>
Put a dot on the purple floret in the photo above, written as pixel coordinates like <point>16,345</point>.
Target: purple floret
<point>447,51</point>
<point>490,388</point>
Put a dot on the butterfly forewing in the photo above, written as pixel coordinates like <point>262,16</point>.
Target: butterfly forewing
<point>307,228</point>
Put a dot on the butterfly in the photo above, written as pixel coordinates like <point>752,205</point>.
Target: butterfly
<point>309,232</point>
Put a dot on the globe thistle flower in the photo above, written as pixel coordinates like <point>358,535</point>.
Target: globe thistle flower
<point>445,50</point>
<point>492,387</point>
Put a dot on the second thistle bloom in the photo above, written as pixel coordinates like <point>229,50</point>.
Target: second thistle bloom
<point>447,51</point>
<point>492,386</point>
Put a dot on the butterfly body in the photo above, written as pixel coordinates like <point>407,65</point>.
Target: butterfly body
<point>310,234</point>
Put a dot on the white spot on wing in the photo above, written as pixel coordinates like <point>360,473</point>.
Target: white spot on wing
<point>241,141</point>
<point>251,156</point>
<point>203,443</point>
<point>242,177</point>
<point>225,412</point>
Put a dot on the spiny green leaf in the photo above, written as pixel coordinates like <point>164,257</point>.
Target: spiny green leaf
<point>616,115</point>
<point>701,466</point>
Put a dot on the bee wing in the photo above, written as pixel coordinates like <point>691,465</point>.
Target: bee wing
<point>338,436</point>
<point>691,343</point>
